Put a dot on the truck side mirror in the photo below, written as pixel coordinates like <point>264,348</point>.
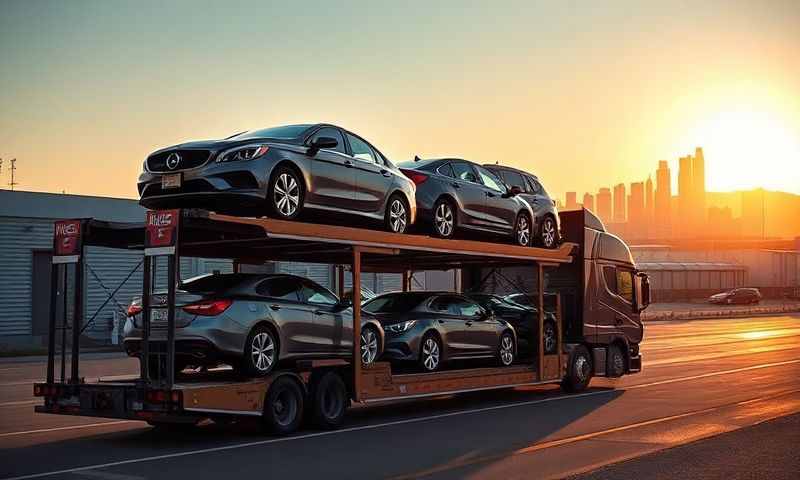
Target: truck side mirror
<point>642,286</point>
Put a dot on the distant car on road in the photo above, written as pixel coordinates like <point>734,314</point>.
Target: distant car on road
<point>431,328</point>
<point>454,194</point>
<point>546,223</point>
<point>254,321</point>
<point>280,172</point>
<point>738,296</point>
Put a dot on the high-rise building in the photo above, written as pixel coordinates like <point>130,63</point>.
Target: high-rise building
<point>686,192</point>
<point>636,217</point>
<point>588,201</point>
<point>572,201</point>
<point>699,187</point>
<point>619,203</point>
<point>604,205</point>
<point>649,208</point>
<point>663,199</point>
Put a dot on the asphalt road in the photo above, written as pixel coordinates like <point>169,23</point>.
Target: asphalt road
<point>700,379</point>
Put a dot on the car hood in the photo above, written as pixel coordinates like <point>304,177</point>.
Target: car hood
<point>219,145</point>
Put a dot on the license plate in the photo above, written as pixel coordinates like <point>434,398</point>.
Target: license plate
<point>171,180</point>
<point>158,315</point>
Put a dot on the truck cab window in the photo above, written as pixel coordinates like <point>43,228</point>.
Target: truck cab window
<point>610,276</point>
<point>625,284</point>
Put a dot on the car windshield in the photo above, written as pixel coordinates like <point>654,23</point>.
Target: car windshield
<point>213,282</point>
<point>394,303</point>
<point>285,132</point>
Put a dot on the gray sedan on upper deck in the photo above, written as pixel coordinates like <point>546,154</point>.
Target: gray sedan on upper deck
<point>281,172</point>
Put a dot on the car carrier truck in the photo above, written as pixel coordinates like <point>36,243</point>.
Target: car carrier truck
<point>596,290</point>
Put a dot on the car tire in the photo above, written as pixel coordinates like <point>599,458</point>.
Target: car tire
<point>430,353</point>
<point>548,233</point>
<point>444,218</point>
<point>396,217</point>
<point>370,345</point>
<point>615,362</point>
<point>506,350</point>
<point>285,194</point>
<point>523,230</point>
<point>283,406</point>
<point>328,400</point>
<point>579,370</point>
<point>550,338</point>
<point>260,352</point>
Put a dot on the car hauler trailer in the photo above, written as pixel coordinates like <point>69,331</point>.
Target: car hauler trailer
<point>323,389</point>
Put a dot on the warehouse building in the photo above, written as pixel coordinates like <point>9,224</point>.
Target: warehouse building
<point>112,277</point>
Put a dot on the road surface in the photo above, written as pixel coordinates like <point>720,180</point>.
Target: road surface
<point>701,379</point>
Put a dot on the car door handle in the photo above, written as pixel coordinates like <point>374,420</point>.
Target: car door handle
<point>348,164</point>
<point>469,324</point>
<point>456,185</point>
<point>386,173</point>
<point>490,194</point>
<point>275,306</point>
<point>319,312</point>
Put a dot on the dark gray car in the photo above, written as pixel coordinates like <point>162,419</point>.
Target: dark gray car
<point>546,222</point>
<point>253,321</point>
<point>434,327</point>
<point>281,172</point>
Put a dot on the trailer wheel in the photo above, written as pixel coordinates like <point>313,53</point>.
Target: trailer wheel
<point>579,371</point>
<point>328,399</point>
<point>283,406</point>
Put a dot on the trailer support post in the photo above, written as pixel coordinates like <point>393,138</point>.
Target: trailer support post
<point>559,334</point>
<point>51,327</point>
<point>540,287</point>
<point>356,323</point>
<point>144,349</point>
<point>64,324</point>
<point>77,317</point>
<point>172,268</point>
<point>407,276</point>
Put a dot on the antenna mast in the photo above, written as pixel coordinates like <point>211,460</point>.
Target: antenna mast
<point>12,183</point>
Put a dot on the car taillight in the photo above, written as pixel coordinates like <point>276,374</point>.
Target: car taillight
<point>417,177</point>
<point>134,309</point>
<point>208,307</point>
<point>164,396</point>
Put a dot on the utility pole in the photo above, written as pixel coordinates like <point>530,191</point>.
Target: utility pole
<point>12,183</point>
<point>1,167</point>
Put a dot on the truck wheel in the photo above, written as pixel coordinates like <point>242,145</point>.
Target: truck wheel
<point>615,362</point>
<point>579,371</point>
<point>329,400</point>
<point>283,406</point>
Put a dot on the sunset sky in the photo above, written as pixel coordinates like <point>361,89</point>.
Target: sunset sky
<point>584,94</point>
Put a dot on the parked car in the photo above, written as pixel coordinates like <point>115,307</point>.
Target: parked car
<point>455,194</point>
<point>737,296</point>
<point>253,322</point>
<point>524,319</point>
<point>281,172</point>
<point>546,223</point>
<point>431,328</point>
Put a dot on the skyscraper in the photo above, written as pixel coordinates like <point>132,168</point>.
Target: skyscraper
<point>604,205</point>
<point>686,197</point>
<point>663,200</point>
<point>588,201</point>
<point>636,216</point>
<point>619,203</point>
<point>699,187</point>
<point>572,201</point>
<point>649,208</point>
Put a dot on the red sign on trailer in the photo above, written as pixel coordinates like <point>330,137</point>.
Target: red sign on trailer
<point>67,241</point>
<point>161,232</point>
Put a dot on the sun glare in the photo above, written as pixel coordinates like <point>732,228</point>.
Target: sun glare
<point>749,149</point>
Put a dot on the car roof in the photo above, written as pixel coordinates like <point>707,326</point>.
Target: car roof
<point>505,167</point>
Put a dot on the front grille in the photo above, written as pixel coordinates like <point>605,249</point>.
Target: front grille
<point>188,159</point>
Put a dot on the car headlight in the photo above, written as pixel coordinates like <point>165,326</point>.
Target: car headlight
<point>400,327</point>
<point>247,152</point>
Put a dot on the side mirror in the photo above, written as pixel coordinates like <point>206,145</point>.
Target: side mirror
<point>513,191</point>
<point>642,286</point>
<point>344,304</point>
<point>320,143</point>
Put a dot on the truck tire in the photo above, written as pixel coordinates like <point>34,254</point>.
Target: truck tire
<point>328,400</point>
<point>615,362</point>
<point>283,406</point>
<point>579,370</point>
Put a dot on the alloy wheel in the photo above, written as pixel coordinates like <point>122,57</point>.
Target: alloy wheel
<point>369,346</point>
<point>523,231</point>
<point>581,368</point>
<point>398,216</point>
<point>443,218</point>
<point>548,232</point>
<point>263,351</point>
<point>506,350</point>
<point>430,354</point>
<point>286,194</point>
<point>549,339</point>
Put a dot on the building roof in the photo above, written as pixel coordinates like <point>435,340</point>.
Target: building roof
<point>23,204</point>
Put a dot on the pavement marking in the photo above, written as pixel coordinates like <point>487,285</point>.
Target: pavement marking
<point>465,462</point>
<point>72,427</point>
<point>21,402</point>
<point>712,356</point>
<point>383,424</point>
<point>108,475</point>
